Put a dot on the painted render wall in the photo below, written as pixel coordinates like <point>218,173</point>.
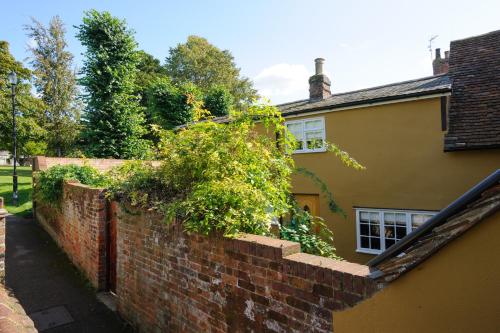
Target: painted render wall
<point>456,290</point>
<point>401,146</point>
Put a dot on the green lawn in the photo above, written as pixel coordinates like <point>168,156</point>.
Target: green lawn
<point>24,189</point>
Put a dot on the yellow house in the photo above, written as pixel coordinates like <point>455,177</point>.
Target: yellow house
<point>423,143</point>
<point>444,277</point>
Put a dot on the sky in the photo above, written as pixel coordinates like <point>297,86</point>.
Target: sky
<point>275,42</point>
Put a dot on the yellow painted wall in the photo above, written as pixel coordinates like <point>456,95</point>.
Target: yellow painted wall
<point>456,290</point>
<point>401,145</point>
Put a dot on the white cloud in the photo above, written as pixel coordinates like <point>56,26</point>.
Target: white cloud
<point>283,82</point>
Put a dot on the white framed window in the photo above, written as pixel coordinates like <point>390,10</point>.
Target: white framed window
<point>379,229</point>
<point>309,133</point>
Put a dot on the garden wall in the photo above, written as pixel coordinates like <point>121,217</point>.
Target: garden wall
<point>41,163</point>
<point>168,281</point>
<point>79,228</point>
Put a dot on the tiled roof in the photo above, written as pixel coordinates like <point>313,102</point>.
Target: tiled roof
<point>474,114</point>
<point>406,89</point>
<point>441,233</point>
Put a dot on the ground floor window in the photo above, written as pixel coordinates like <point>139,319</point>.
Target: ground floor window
<point>379,229</point>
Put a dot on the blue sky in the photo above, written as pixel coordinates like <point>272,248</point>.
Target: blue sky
<point>365,43</point>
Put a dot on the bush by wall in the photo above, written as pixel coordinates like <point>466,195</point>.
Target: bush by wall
<point>49,185</point>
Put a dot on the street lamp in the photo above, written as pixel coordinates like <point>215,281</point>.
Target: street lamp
<point>13,83</point>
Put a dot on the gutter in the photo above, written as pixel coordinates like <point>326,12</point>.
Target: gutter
<point>438,219</point>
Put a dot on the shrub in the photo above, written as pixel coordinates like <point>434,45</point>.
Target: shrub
<point>216,177</point>
<point>49,187</point>
<point>218,101</point>
<point>311,232</point>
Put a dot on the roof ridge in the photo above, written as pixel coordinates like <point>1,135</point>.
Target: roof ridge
<point>476,36</point>
<point>370,88</point>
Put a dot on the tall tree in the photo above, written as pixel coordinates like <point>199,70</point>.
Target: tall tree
<point>29,108</point>
<point>114,120</point>
<point>55,81</point>
<point>207,66</point>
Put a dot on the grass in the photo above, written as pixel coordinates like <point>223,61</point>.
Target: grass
<point>24,189</point>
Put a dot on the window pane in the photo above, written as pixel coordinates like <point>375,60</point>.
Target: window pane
<point>314,139</point>
<point>375,230</point>
<point>365,242</point>
<point>375,243</point>
<point>389,218</point>
<point>389,232</point>
<point>364,216</point>
<point>364,229</point>
<point>400,232</point>
<point>401,218</point>
<point>296,130</point>
<point>389,243</point>
<point>313,124</point>
<point>374,217</point>
<point>418,219</point>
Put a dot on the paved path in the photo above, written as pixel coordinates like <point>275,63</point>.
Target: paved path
<point>41,277</point>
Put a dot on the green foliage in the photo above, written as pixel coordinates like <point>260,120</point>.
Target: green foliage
<point>171,105</point>
<point>49,184</point>
<point>55,81</point>
<point>29,109</point>
<point>311,232</point>
<point>199,62</point>
<point>148,70</point>
<point>114,120</point>
<point>218,101</point>
<point>215,177</point>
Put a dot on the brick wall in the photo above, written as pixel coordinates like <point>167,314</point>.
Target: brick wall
<point>168,281</point>
<point>41,163</point>
<point>79,228</point>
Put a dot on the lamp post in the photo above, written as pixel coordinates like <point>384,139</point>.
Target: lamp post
<point>13,83</point>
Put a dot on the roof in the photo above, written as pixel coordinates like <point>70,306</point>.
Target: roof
<point>474,113</point>
<point>474,206</point>
<point>394,91</point>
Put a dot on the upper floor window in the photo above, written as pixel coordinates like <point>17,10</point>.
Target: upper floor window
<point>309,133</point>
<point>378,229</point>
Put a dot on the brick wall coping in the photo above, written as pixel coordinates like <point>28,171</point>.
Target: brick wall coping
<point>277,249</point>
<point>332,264</point>
<point>41,163</point>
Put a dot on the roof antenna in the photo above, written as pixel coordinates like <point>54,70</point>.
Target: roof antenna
<point>430,44</point>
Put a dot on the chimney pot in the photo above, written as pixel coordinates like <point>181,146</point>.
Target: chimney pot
<point>319,65</point>
<point>319,83</point>
<point>440,65</point>
<point>438,53</point>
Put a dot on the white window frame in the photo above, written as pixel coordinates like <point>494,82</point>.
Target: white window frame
<point>304,143</point>
<point>381,212</point>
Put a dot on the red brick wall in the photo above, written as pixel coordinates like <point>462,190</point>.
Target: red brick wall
<point>168,281</point>
<point>41,163</point>
<point>79,228</point>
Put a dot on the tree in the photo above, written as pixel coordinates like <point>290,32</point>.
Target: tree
<point>114,120</point>
<point>206,66</point>
<point>218,101</point>
<point>29,109</point>
<point>171,105</point>
<point>149,69</point>
<point>55,81</point>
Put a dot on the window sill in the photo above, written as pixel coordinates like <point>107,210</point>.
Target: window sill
<point>367,251</point>
<point>309,151</point>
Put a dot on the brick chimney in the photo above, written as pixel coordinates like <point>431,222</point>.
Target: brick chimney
<point>440,65</point>
<point>319,83</point>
